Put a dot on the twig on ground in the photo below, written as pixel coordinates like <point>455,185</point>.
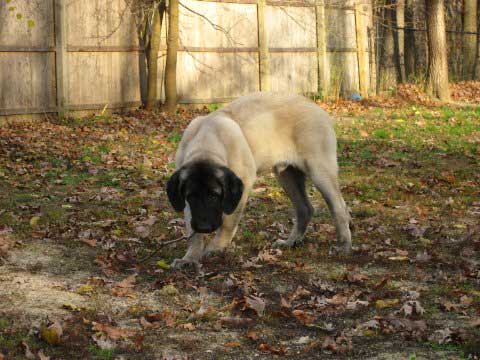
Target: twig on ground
<point>163,244</point>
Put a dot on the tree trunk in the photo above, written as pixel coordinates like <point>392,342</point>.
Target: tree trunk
<point>477,71</point>
<point>401,39</point>
<point>437,80</point>
<point>469,40</point>
<point>388,73</point>
<point>153,48</point>
<point>421,42</point>
<point>409,43</point>
<point>171,62</point>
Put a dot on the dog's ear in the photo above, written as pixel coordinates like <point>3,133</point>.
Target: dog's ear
<point>233,190</point>
<point>175,191</point>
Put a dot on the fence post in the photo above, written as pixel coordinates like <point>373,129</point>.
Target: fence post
<point>323,87</point>
<point>61,57</point>
<point>362,41</point>
<point>263,53</point>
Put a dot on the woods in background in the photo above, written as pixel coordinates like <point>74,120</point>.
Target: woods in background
<point>427,41</point>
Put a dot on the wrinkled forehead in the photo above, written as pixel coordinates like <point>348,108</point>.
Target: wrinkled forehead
<point>203,176</point>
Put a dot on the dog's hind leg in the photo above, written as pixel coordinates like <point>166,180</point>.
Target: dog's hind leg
<point>325,178</point>
<point>293,182</point>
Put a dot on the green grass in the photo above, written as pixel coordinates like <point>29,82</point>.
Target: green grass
<point>101,354</point>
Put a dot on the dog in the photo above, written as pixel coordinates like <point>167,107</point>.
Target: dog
<point>220,155</point>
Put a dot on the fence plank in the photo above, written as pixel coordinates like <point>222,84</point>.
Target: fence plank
<point>362,42</point>
<point>61,73</point>
<point>263,55</point>
<point>321,49</point>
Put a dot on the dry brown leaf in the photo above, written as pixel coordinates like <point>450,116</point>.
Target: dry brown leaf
<point>252,335</point>
<point>300,292</point>
<point>255,303</point>
<point>338,299</point>
<point>188,326</point>
<point>232,344</point>
<point>303,317</point>
<point>235,322</point>
<point>272,350</point>
<point>385,303</point>
<point>285,303</point>
<point>6,242</point>
<point>90,242</point>
<point>114,333</point>
<point>123,288</point>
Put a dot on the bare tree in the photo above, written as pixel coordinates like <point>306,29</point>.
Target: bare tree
<point>153,49</point>
<point>437,78</point>
<point>149,16</point>
<point>171,64</point>
<point>400,14</point>
<point>388,72</point>
<point>469,40</point>
<point>410,52</point>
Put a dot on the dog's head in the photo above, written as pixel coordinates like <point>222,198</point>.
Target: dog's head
<point>209,189</point>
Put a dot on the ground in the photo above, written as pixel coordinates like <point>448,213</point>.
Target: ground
<point>83,206</point>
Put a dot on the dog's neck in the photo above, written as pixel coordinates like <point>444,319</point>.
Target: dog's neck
<point>206,155</point>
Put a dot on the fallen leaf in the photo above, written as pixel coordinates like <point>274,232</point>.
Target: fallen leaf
<point>255,303</point>
<point>235,322</point>
<point>412,307</point>
<point>352,305</point>
<point>123,288</point>
<point>337,299</point>
<point>232,344</point>
<point>272,350</point>
<point>6,242</point>
<point>356,278</point>
<point>84,290</point>
<point>90,242</point>
<point>252,335</point>
<point>52,332</point>
<point>163,264</point>
<point>284,303</point>
<point>398,258</point>
<point>34,221</point>
<point>113,333</point>
<point>168,290</point>
<point>188,326</point>
<point>303,317</point>
<point>299,293</point>
<point>385,303</point>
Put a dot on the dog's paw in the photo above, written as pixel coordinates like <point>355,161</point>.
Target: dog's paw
<point>283,244</point>
<point>214,252</point>
<point>340,250</point>
<point>178,264</point>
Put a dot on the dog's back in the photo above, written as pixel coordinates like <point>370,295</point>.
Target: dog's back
<point>282,128</point>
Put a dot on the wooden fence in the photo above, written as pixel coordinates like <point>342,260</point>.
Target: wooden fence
<point>58,55</point>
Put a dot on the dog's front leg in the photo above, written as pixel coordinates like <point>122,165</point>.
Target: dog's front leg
<point>224,235</point>
<point>196,246</point>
